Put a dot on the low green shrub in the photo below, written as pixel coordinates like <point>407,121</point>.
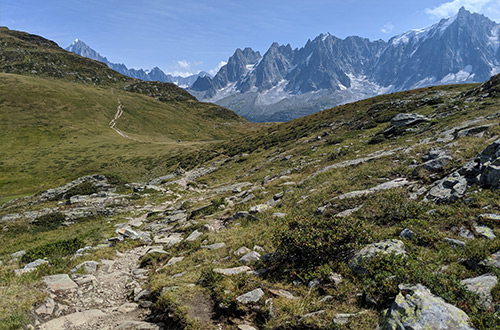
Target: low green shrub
<point>392,207</point>
<point>319,240</point>
<point>49,221</point>
<point>85,188</point>
<point>55,249</point>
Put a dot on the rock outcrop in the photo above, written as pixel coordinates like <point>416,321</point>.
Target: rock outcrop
<point>416,307</point>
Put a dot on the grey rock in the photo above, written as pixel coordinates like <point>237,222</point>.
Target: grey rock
<point>472,130</point>
<point>30,266</point>
<point>259,208</point>
<point>482,285</point>
<point>305,316</point>
<point>484,231</point>
<point>250,257</point>
<point>490,216</point>
<point>250,297</point>
<point>407,233</point>
<point>214,246</point>
<point>59,282</point>
<point>283,294</point>
<point>396,183</point>
<point>335,278</point>
<point>18,254</point>
<point>415,307</point>
<point>492,261</point>
<point>314,283</point>
<point>465,233</point>
<point>246,327</point>
<point>448,189</point>
<point>371,250</point>
<point>89,266</point>
<point>454,242</point>
<point>279,215</point>
<point>194,236</point>
<point>128,308</point>
<point>436,164</point>
<point>242,251</point>
<point>144,294</point>
<point>137,325</point>
<point>174,260</point>
<point>347,213</point>
<point>435,153</point>
<point>47,307</point>
<point>72,320</point>
<point>407,119</point>
<point>170,240</point>
<point>232,271</point>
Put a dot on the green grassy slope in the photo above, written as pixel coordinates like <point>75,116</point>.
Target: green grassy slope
<point>56,108</point>
<point>53,130</point>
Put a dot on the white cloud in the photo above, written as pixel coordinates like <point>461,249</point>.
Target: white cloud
<point>387,28</point>
<point>214,71</point>
<point>184,68</point>
<point>489,8</point>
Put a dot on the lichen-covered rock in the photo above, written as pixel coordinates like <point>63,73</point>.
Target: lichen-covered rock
<point>415,307</point>
<point>448,189</point>
<point>250,257</point>
<point>484,231</point>
<point>482,285</point>
<point>384,247</point>
<point>407,119</point>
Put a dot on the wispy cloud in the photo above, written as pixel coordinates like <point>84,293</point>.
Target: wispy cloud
<point>387,28</point>
<point>488,7</point>
<point>184,68</point>
<point>214,71</point>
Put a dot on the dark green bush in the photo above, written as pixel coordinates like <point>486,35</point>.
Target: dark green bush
<point>115,179</point>
<point>319,240</point>
<point>393,207</point>
<point>56,249</point>
<point>85,188</point>
<point>49,221</point>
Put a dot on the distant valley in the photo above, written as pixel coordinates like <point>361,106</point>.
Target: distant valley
<point>287,83</point>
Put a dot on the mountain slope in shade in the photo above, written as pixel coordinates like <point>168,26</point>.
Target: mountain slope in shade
<point>156,74</point>
<point>287,83</point>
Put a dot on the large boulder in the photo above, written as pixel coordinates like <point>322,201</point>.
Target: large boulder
<point>415,307</point>
<point>357,263</point>
<point>482,285</point>
<point>407,119</point>
<point>483,170</point>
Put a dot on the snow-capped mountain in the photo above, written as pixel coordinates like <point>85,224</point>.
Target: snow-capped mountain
<point>155,74</point>
<point>287,83</point>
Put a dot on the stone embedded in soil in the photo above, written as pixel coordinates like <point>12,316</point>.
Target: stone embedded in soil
<point>214,246</point>
<point>251,297</point>
<point>250,257</point>
<point>59,282</point>
<point>232,271</point>
<point>482,285</point>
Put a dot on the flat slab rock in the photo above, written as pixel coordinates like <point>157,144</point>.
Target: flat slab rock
<point>59,282</point>
<point>137,325</point>
<point>232,271</point>
<point>72,320</point>
<point>251,297</point>
<point>415,307</point>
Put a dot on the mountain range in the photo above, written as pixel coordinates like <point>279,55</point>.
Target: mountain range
<point>287,83</point>
<point>156,74</point>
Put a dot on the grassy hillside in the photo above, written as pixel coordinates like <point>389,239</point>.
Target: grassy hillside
<point>53,130</point>
<point>56,113</point>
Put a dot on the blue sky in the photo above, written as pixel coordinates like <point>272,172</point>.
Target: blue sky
<point>186,36</point>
